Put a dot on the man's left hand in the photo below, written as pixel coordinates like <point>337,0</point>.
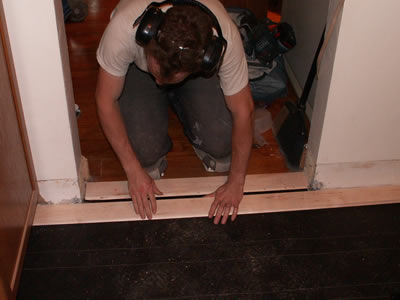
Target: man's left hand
<point>226,198</point>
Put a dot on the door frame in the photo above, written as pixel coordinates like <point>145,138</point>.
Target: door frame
<point>10,288</point>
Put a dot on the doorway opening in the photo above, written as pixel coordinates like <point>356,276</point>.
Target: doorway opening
<point>83,39</point>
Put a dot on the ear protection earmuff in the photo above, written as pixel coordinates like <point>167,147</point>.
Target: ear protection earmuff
<point>149,24</point>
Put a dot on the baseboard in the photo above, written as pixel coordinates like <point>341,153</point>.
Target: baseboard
<point>309,111</point>
<point>360,174</point>
<point>292,78</point>
<point>297,87</point>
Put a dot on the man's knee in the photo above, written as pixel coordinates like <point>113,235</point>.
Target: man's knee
<point>215,141</point>
<point>149,151</point>
<point>219,149</point>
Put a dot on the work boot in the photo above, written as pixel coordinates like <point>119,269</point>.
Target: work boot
<point>157,170</point>
<point>212,164</point>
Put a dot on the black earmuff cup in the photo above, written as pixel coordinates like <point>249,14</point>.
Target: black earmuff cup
<point>149,25</point>
<point>213,54</point>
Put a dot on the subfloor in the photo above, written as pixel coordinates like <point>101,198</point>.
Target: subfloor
<point>83,39</point>
<point>347,253</point>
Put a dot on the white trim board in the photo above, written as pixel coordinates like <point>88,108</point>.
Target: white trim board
<point>198,186</point>
<point>358,174</point>
<point>292,78</point>
<point>198,207</point>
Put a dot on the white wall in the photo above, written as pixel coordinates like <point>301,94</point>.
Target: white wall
<point>46,93</point>
<point>354,139</point>
<point>307,17</point>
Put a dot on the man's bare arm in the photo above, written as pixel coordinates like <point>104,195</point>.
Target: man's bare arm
<point>241,106</point>
<point>231,193</point>
<point>141,186</point>
<point>108,90</point>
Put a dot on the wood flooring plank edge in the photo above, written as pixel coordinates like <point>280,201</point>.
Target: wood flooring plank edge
<point>196,186</point>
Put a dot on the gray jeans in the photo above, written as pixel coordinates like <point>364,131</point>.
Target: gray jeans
<point>198,102</point>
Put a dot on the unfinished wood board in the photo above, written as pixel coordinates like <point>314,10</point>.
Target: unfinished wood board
<point>112,190</point>
<point>198,207</point>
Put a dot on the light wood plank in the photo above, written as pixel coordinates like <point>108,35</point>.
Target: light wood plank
<point>198,207</point>
<point>198,186</point>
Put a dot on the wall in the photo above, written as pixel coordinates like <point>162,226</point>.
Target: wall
<point>46,93</point>
<point>354,140</point>
<point>307,17</point>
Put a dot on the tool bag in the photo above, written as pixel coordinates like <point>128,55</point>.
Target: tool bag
<point>264,43</point>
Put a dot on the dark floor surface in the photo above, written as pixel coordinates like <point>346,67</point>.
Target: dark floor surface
<point>350,253</point>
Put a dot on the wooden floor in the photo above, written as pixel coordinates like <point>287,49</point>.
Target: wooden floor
<point>83,39</point>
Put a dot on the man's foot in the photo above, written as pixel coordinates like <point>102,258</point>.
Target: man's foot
<point>212,164</point>
<point>157,170</point>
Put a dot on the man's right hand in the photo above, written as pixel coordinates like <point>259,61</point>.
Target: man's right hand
<point>143,189</point>
<point>141,186</point>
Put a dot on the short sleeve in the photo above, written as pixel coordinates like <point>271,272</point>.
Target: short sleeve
<point>233,72</point>
<point>116,50</point>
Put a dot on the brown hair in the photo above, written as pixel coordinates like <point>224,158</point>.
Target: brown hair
<point>179,44</point>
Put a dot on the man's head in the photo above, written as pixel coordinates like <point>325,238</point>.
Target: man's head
<point>161,79</point>
<point>178,46</point>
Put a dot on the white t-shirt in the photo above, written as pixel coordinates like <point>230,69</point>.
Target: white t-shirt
<point>118,48</point>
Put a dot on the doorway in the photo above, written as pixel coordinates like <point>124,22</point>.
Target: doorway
<point>83,38</point>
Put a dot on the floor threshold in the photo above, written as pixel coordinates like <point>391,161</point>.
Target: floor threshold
<point>119,211</point>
